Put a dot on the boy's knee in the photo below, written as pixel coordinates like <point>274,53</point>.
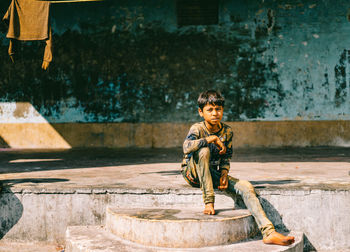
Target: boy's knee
<point>245,186</point>
<point>204,152</point>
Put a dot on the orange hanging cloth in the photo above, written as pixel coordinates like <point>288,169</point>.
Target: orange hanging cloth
<point>29,20</point>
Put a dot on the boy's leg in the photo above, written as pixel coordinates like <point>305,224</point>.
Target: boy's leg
<point>200,162</point>
<point>241,187</point>
<point>246,190</point>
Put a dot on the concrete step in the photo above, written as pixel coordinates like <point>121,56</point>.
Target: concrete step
<point>180,227</point>
<point>12,246</point>
<point>98,239</point>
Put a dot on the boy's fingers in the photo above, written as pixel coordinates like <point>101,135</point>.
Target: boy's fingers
<point>223,187</point>
<point>223,183</point>
<point>223,150</point>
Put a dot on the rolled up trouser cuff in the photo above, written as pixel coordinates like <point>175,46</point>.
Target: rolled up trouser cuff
<point>209,199</point>
<point>267,230</point>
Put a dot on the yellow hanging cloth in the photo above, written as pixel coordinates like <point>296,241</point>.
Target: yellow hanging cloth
<point>29,20</point>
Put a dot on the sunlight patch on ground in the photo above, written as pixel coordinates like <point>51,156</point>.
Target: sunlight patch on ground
<point>34,160</point>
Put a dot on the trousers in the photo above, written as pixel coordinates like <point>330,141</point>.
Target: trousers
<point>198,173</point>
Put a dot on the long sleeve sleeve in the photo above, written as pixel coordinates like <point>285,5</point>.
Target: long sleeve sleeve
<point>193,142</point>
<point>226,158</point>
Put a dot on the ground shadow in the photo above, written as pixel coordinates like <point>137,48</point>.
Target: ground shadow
<point>293,154</point>
<point>263,183</point>
<point>10,182</point>
<point>11,208</point>
<point>165,173</point>
<point>14,161</point>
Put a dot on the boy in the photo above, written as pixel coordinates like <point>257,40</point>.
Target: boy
<point>208,150</point>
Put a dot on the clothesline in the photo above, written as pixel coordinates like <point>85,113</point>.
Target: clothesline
<point>69,1</point>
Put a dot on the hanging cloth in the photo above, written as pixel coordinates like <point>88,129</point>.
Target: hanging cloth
<point>29,20</point>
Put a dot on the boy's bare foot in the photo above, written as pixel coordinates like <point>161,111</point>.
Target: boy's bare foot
<point>278,239</point>
<point>209,209</point>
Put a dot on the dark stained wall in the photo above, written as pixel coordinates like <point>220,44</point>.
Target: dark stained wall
<point>129,61</point>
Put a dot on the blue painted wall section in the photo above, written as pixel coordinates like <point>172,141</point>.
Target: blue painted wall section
<point>129,61</point>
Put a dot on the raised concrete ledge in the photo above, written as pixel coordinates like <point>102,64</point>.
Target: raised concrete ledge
<point>45,216</point>
<point>166,135</point>
<point>300,190</point>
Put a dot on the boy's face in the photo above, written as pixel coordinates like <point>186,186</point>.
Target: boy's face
<point>212,114</point>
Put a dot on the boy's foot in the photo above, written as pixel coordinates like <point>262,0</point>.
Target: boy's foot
<point>209,209</point>
<point>278,239</point>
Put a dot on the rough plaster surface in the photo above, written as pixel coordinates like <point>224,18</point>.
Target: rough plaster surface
<point>129,61</point>
<point>168,135</point>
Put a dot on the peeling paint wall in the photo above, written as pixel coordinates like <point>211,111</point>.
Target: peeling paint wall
<point>127,61</point>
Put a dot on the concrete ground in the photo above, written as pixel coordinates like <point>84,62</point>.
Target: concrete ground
<point>29,247</point>
<point>160,168</point>
<point>323,168</point>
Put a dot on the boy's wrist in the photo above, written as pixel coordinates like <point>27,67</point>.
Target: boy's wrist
<point>205,142</point>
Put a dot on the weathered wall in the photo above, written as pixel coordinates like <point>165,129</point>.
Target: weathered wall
<point>44,215</point>
<point>167,135</point>
<point>128,61</point>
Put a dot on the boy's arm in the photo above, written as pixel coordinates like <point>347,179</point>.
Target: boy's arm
<point>226,158</point>
<point>224,164</point>
<point>193,142</point>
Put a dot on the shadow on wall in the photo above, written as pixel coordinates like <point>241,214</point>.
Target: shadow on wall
<point>11,208</point>
<point>277,221</point>
<point>271,212</point>
<point>3,143</point>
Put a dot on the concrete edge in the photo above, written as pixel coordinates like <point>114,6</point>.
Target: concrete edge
<point>303,190</point>
<point>112,212</point>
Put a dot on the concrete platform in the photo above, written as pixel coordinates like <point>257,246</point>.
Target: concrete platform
<point>180,227</point>
<point>302,189</point>
<point>311,168</point>
<point>97,239</point>
<point>6,246</point>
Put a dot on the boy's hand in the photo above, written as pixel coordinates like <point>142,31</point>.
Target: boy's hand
<point>216,140</point>
<point>223,180</point>
<point>222,148</point>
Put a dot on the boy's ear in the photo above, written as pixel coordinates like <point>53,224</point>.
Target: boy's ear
<point>200,112</point>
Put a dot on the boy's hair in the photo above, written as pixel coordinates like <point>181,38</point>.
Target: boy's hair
<point>210,97</point>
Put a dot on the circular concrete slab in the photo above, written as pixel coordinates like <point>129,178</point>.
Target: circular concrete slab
<point>181,228</point>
